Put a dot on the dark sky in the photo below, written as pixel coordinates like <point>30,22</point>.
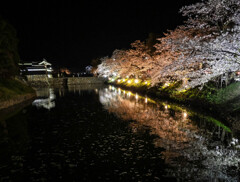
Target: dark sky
<point>71,33</point>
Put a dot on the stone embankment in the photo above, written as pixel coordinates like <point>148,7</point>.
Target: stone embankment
<point>44,81</point>
<point>84,80</point>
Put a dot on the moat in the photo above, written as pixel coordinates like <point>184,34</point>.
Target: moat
<point>104,133</point>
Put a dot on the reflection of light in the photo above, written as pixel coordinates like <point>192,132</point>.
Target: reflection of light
<point>96,90</point>
<point>110,87</point>
<point>129,93</point>
<point>185,139</point>
<point>124,91</point>
<point>146,100</point>
<point>123,80</point>
<point>119,90</point>
<point>136,81</point>
<point>166,84</point>
<point>118,81</point>
<point>184,114</point>
<point>46,103</point>
<point>146,82</point>
<point>136,96</point>
<point>129,81</point>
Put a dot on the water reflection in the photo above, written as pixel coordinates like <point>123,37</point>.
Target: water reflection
<point>45,98</point>
<point>196,146</point>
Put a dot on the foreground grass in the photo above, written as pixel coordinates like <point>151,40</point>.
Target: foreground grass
<point>12,88</point>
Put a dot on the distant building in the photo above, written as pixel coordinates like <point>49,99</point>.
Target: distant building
<point>43,68</point>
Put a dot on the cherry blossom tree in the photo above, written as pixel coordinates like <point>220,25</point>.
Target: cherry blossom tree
<point>135,61</point>
<point>204,49</point>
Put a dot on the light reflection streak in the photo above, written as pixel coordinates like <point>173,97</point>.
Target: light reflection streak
<point>136,96</point>
<point>185,141</point>
<point>45,99</point>
<point>146,100</point>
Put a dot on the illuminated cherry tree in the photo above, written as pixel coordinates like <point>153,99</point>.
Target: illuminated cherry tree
<point>133,62</point>
<point>140,59</point>
<point>205,48</point>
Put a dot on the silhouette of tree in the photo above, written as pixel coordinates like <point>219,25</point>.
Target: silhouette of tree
<point>8,50</point>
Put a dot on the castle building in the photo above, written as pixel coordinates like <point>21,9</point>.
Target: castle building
<point>31,69</point>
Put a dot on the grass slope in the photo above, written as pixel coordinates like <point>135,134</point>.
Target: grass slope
<point>12,88</point>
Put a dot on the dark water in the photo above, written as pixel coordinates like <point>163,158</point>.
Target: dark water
<point>92,133</point>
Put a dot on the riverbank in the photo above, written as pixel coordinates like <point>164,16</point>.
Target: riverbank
<point>13,92</point>
<point>221,103</point>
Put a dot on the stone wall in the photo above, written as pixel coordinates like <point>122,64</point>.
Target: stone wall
<point>84,80</point>
<point>57,81</point>
<point>42,80</point>
<point>35,78</point>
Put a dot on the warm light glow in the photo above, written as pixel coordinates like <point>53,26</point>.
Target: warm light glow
<point>136,96</point>
<point>184,114</point>
<point>146,82</point>
<point>165,106</point>
<point>129,81</point>
<point>146,100</point>
<point>67,71</point>
<point>166,84</point>
<point>124,91</point>
<point>118,81</point>
<point>129,93</point>
<point>136,80</point>
<point>119,90</point>
<point>123,80</point>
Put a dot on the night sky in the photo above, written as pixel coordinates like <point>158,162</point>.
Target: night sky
<point>70,33</point>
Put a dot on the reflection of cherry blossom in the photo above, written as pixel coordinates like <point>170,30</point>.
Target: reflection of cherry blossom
<point>187,145</point>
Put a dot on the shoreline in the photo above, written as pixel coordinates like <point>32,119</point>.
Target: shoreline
<point>17,100</point>
<point>10,111</point>
<point>196,104</point>
<point>14,91</point>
